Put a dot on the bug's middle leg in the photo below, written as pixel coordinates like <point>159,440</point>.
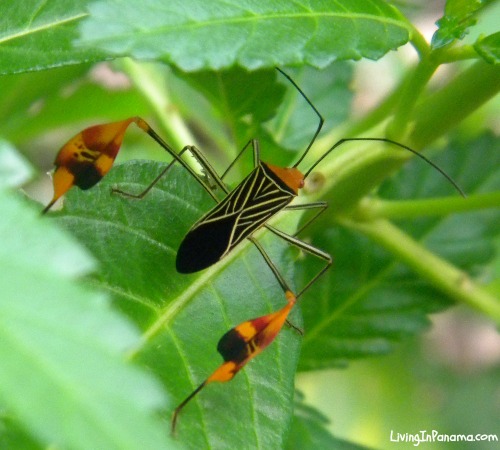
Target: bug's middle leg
<point>310,249</point>
<point>278,276</point>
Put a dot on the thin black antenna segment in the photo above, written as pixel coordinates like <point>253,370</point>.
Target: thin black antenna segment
<point>343,141</point>
<point>320,117</point>
<point>388,141</point>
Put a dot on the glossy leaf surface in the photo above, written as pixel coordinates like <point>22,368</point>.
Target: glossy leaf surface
<point>248,33</point>
<point>459,16</point>
<point>183,317</point>
<point>489,48</point>
<point>80,392</point>
<point>40,35</point>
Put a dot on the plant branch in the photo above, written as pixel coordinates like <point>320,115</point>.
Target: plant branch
<point>155,93</point>
<point>373,208</point>
<point>409,95</point>
<point>443,275</point>
<point>376,115</point>
<point>419,43</point>
<point>398,95</point>
<point>449,106</point>
<point>453,54</point>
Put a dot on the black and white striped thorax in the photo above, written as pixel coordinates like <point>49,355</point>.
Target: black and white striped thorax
<point>252,203</point>
<point>248,207</point>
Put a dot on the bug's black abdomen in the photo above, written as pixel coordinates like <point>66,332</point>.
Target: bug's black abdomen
<point>204,245</point>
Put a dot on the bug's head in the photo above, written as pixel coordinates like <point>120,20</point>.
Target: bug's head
<point>291,176</point>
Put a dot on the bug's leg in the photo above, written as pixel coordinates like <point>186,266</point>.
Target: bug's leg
<point>210,173</point>
<point>200,159</point>
<point>321,206</point>
<point>278,276</point>
<point>308,249</point>
<point>274,269</point>
<point>87,157</point>
<point>240,345</point>
<point>256,155</point>
<point>292,239</point>
<point>177,410</point>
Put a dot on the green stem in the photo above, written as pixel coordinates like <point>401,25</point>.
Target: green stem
<point>443,275</point>
<point>419,42</point>
<point>376,115</point>
<point>354,169</point>
<point>153,88</point>
<point>409,90</point>
<point>397,95</point>
<point>410,93</point>
<point>449,106</point>
<point>370,208</point>
<point>453,54</point>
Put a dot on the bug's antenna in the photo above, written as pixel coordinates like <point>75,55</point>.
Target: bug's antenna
<point>343,141</point>
<point>389,141</point>
<point>321,120</point>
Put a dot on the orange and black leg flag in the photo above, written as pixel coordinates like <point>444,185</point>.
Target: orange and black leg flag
<point>242,343</point>
<point>87,157</point>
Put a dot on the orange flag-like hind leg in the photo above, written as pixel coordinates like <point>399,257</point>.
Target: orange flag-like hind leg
<point>87,157</point>
<point>240,344</point>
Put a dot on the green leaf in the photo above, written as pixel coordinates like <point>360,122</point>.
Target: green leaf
<point>489,48</point>
<point>368,301</point>
<point>13,436</point>
<point>224,91</point>
<point>14,169</point>
<point>182,317</point>
<point>241,111</point>
<point>42,101</point>
<point>63,379</point>
<point>459,16</point>
<point>244,111</point>
<point>26,95</point>
<point>196,34</point>
<point>363,306</point>
<point>309,431</point>
<point>40,34</point>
